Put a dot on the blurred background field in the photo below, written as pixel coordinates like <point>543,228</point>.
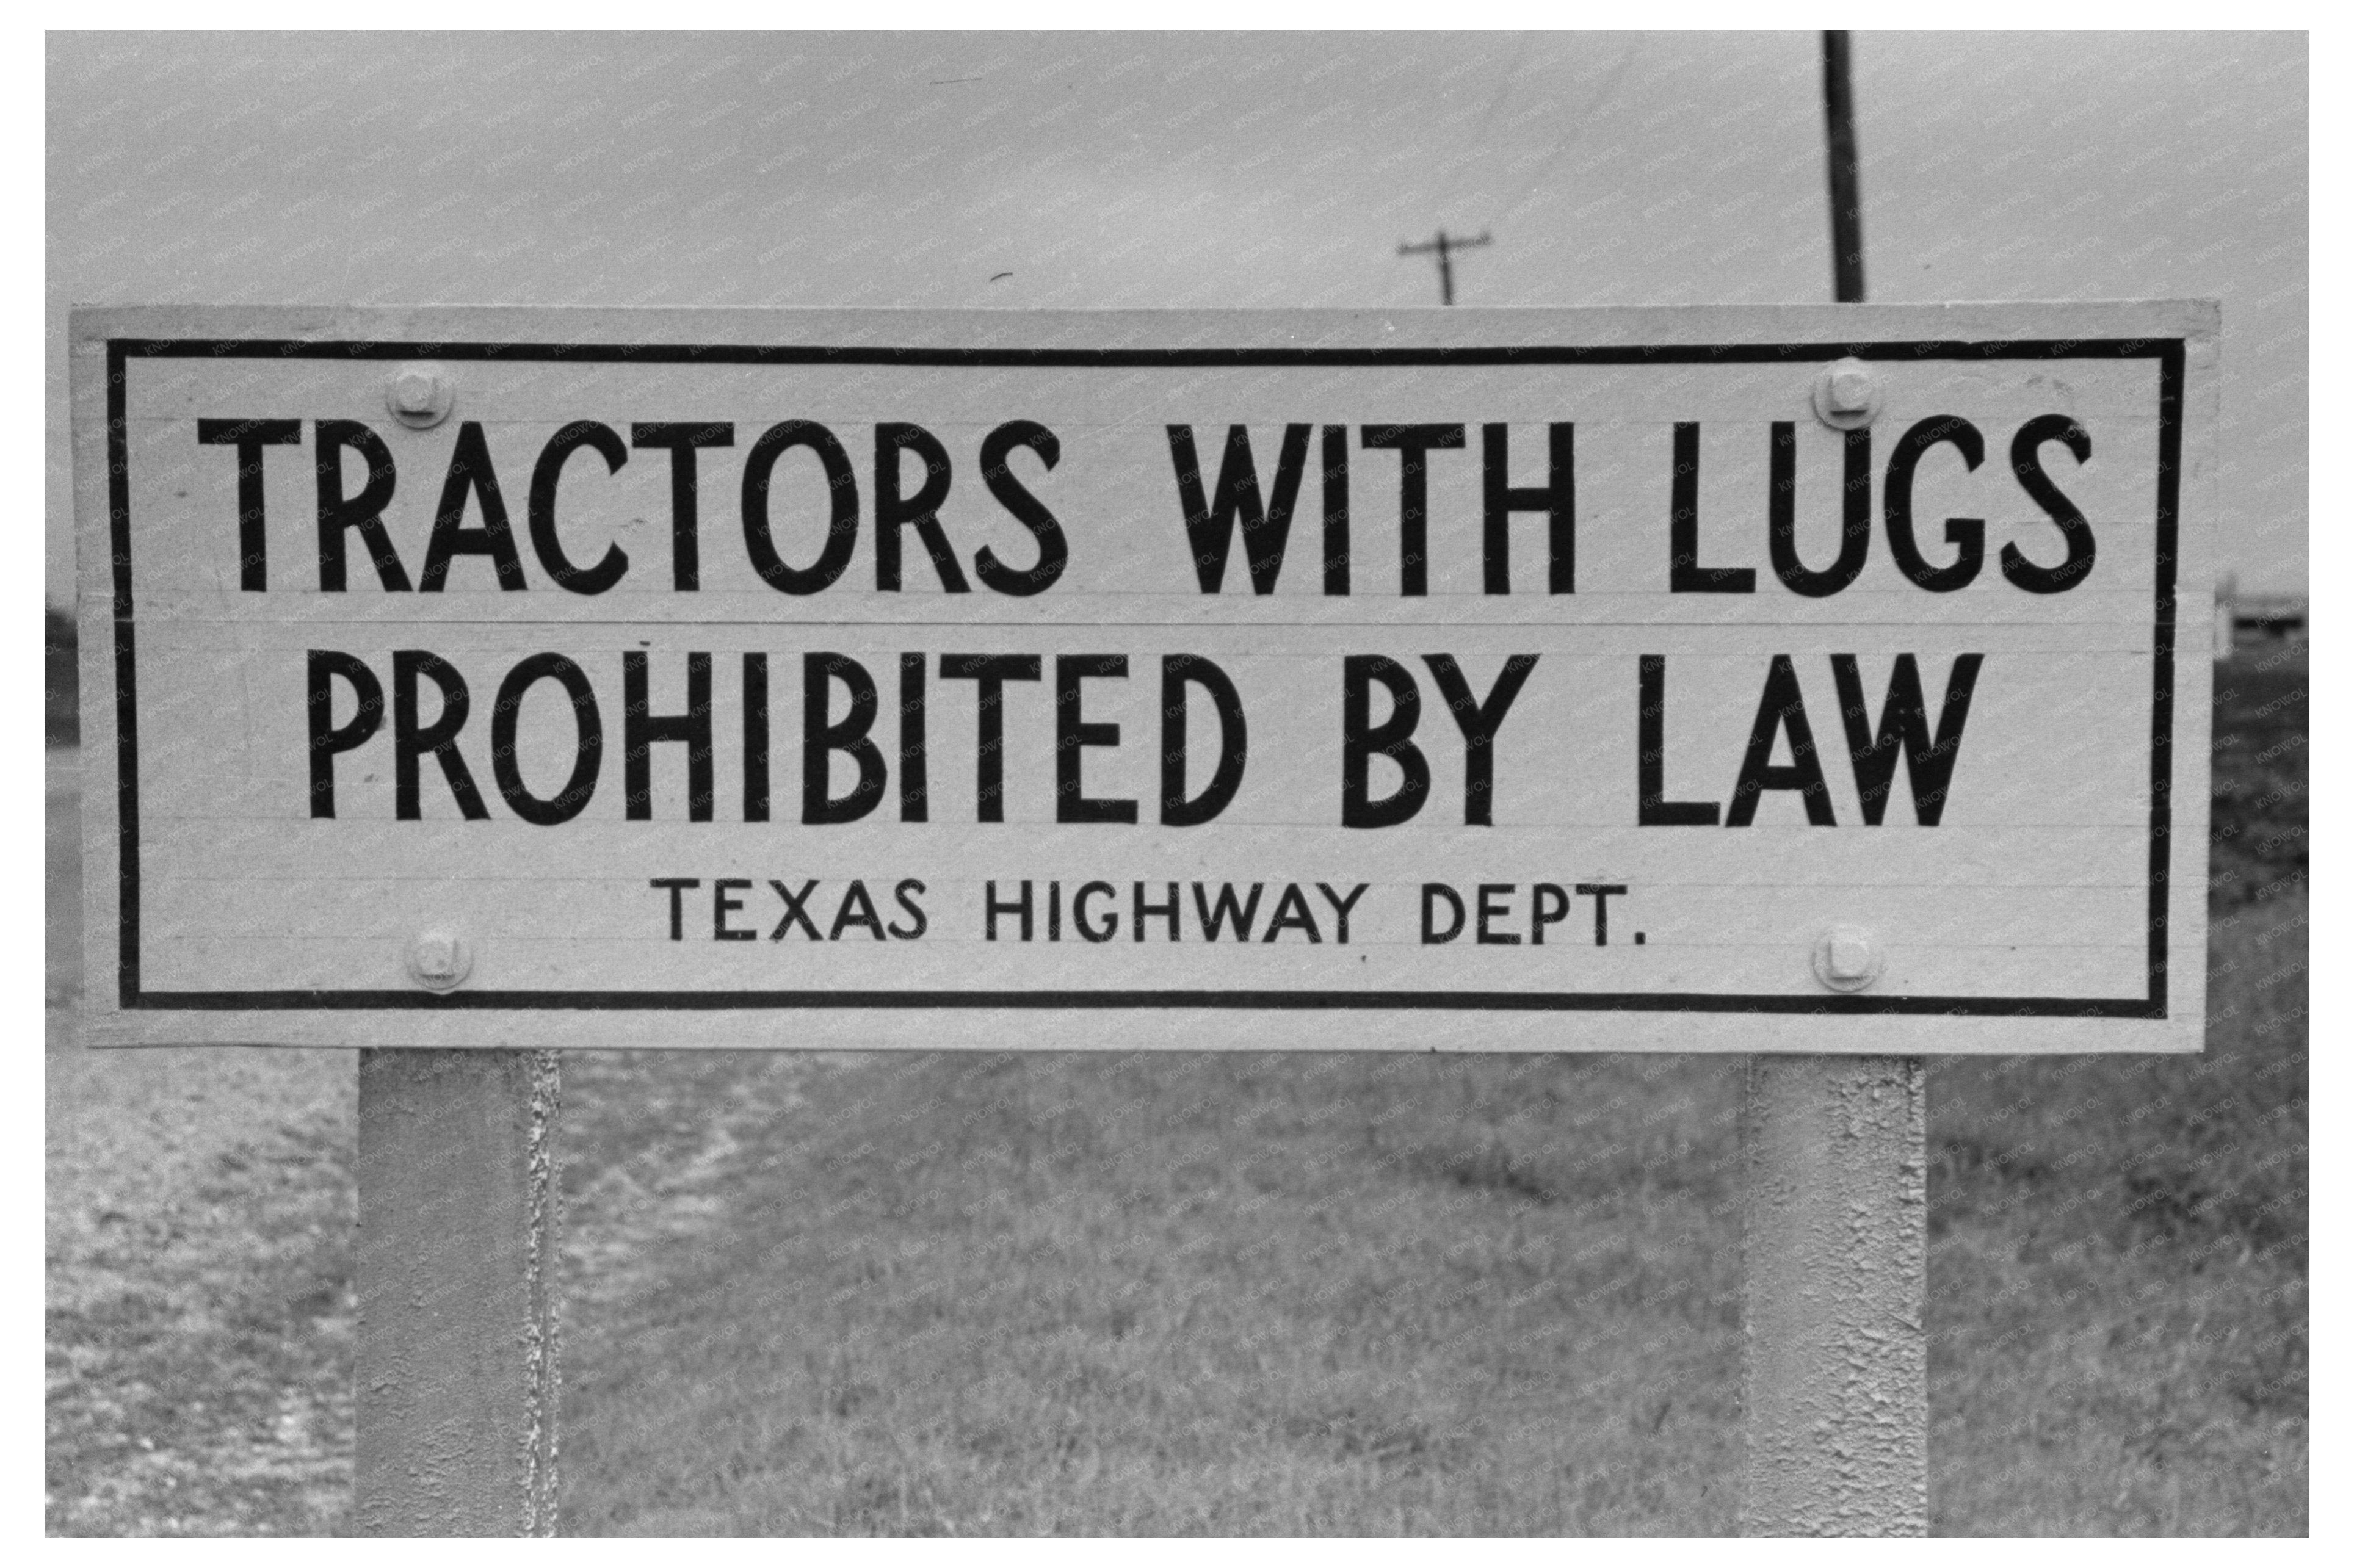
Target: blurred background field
<point>1231,1294</point>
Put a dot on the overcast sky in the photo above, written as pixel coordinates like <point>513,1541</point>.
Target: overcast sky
<point>1193,170</point>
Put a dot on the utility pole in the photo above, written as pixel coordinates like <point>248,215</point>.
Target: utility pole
<point>1445,245</point>
<point>1847,201</point>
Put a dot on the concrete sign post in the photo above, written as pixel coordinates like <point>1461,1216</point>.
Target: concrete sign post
<point>1835,1391</point>
<point>461,1218</point>
<point>1834,1269</point>
<point>1789,680</point>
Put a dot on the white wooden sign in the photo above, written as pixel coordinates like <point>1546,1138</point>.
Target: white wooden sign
<point>1800,679</point>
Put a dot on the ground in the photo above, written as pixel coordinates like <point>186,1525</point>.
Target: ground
<point>1226,1294</point>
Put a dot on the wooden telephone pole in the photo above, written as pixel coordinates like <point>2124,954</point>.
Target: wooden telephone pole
<point>1847,201</point>
<point>1444,246</point>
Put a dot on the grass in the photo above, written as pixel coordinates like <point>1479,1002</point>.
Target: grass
<point>1157,1295</point>
<point>199,1366</point>
<point>1259,1294</point>
<point>62,708</point>
<point>2258,840</point>
<point>2118,1266</point>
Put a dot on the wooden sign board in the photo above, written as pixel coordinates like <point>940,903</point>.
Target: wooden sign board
<point>1789,679</point>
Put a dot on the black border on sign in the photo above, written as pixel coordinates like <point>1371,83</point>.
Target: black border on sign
<point>2170,352</point>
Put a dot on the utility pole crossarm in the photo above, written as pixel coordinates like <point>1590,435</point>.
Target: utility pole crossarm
<point>1444,245</point>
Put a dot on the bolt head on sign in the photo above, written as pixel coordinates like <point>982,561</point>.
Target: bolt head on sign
<point>438,960</point>
<point>1847,396</point>
<point>1847,960</point>
<point>1441,680</point>
<point>419,395</point>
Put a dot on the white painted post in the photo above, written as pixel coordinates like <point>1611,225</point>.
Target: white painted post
<point>1834,1258</point>
<point>459,1217</point>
